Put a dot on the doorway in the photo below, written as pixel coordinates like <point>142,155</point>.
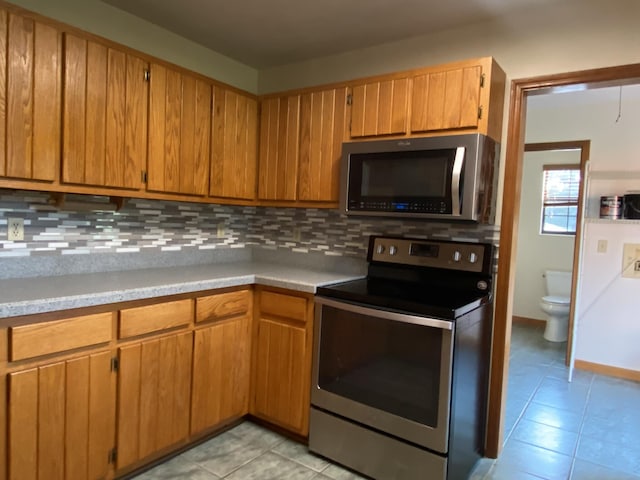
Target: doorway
<point>520,90</point>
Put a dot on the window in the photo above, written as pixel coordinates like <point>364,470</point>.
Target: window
<point>560,190</point>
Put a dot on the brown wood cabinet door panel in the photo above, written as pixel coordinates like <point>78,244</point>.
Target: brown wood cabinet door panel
<point>23,425</point>
<point>234,145</point>
<point>280,385</point>
<point>380,108</point>
<point>4,28</point>
<point>32,99</point>
<point>180,129</point>
<point>279,134</point>
<point>104,115</point>
<point>220,373</point>
<point>154,389</point>
<point>61,419</point>
<point>446,100</point>
<point>322,131</point>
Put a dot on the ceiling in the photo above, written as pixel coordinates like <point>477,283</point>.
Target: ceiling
<point>263,34</point>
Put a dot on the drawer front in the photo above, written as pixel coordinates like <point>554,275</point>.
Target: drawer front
<point>223,305</point>
<point>282,305</point>
<point>28,341</point>
<point>152,318</point>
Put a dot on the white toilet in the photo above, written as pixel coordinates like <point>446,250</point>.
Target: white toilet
<point>556,304</point>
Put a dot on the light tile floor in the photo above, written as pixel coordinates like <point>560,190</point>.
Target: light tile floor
<point>585,430</point>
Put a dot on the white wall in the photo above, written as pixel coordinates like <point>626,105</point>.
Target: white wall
<point>608,330</point>
<point>101,19</point>
<point>536,252</point>
<point>570,35</point>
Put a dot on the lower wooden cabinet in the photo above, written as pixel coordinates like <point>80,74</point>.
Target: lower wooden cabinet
<point>154,384</point>
<point>282,359</point>
<point>61,420</point>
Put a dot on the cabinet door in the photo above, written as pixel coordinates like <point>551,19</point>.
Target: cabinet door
<point>153,396</point>
<point>105,115</point>
<point>179,132</point>
<point>279,134</point>
<point>282,361</point>
<point>322,130</point>
<point>446,100</point>
<point>30,91</point>
<point>61,420</point>
<point>221,359</point>
<point>234,148</point>
<point>380,108</point>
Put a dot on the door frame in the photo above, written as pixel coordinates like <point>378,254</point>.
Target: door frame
<point>520,90</point>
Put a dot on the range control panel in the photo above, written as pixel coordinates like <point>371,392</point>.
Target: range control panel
<point>464,256</point>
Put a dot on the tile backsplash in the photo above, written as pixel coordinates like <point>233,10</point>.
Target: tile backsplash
<point>165,226</point>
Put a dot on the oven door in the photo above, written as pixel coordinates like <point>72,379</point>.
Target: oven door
<point>390,371</point>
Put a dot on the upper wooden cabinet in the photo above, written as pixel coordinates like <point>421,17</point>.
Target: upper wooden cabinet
<point>446,100</point>
<point>279,143</point>
<point>104,115</point>
<point>179,132</point>
<point>30,95</point>
<point>380,108</point>
<point>323,128</point>
<point>234,145</point>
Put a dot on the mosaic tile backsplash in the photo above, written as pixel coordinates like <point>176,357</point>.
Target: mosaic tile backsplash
<point>164,226</point>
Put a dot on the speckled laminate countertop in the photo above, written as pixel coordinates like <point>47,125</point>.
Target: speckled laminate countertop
<point>25,296</point>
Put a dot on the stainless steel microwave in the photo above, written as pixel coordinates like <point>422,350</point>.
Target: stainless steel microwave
<point>452,177</point>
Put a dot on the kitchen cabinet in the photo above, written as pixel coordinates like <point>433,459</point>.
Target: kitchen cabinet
<point>179,132</point>
<point>281,365</point>
<point>30,96</point>
<point>221,359</point>
<point>104,115</point>
<point>323,128</point>
<point>279,147</point>
<point>446,100</point>
<point>380,108</point>
<point>61,401</point>
<point>234,149</point>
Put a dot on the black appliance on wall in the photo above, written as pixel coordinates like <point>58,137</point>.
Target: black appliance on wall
<point>401,361</point>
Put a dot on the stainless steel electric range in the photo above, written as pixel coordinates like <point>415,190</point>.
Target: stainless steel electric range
<point>401,361</point>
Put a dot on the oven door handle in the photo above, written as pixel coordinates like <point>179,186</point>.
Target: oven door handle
<point>386,314</point>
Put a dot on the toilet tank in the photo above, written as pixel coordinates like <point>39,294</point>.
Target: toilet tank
<point>558,283</point>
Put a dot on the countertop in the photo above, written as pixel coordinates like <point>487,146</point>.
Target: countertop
<point>25,296</point>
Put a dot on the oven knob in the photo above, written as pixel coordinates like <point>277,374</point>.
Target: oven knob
<point>393,250</point>
<point>380,249</point>
<point>473,257</point>
<point>457,256</point>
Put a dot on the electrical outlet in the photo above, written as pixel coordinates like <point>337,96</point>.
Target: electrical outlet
<point>631,260</point>
<point>296,234</point>
<point>15,229</point>
<point>220,232</point>
<point>602,246</point>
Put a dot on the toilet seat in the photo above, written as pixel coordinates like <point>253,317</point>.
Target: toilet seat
<point>554,299</point>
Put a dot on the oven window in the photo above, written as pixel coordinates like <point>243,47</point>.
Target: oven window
<point>388,365</point>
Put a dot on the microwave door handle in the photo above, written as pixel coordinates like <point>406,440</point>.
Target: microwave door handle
<point>456,176</point>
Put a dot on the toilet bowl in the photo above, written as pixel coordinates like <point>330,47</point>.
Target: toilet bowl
<point>556,304</point>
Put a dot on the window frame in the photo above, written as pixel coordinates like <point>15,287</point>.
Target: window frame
<point>569,202</point>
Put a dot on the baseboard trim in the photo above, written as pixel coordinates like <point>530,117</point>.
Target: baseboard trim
<point>609,370</point>
<point>536,322</point>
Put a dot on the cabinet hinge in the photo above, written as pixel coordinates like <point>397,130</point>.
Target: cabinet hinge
<point>146,75</point>
<point>115,364</point>
<point>349,99</point>
<point>480,111</point>
<point>143,176</point>
<point>113,455</point>
<point>482,80</point>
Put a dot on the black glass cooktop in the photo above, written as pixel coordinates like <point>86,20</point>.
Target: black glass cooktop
<point>445,303</point>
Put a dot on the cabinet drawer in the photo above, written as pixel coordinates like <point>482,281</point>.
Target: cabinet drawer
<point>282,305</point>
<point>29,341</point>
<point>223,305</point>
<point>152,318</point>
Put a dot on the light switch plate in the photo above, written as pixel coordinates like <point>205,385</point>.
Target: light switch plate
<point>631,260</point>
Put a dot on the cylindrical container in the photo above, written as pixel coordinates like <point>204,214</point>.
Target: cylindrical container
<point>632,206</point>
<point>611,206</point>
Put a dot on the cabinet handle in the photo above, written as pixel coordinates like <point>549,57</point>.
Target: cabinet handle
<point>147,75</point>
